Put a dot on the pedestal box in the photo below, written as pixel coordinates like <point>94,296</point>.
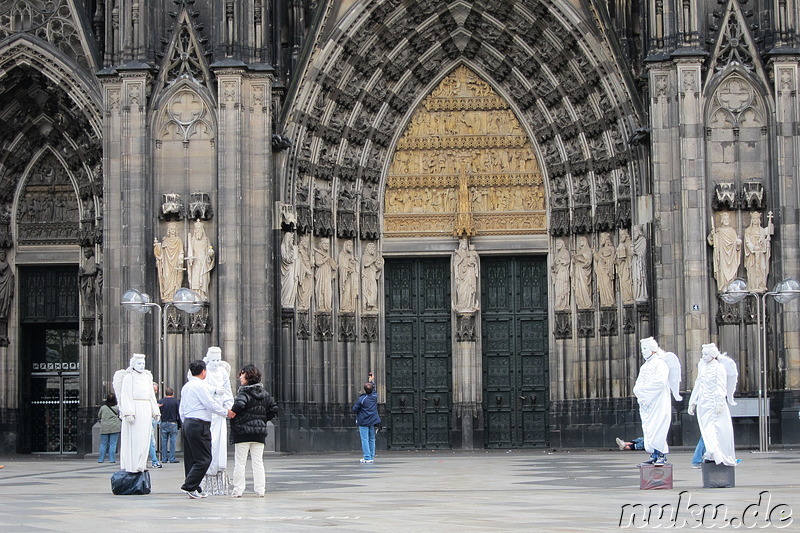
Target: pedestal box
<point>655,477</point>
<point>718,476</point>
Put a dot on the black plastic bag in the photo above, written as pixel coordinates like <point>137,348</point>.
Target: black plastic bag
<point>125,483</point>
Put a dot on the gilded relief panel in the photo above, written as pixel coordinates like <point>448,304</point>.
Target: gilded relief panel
<point>464,166</point>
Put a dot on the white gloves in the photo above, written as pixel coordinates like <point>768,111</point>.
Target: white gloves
<point>691,409</point>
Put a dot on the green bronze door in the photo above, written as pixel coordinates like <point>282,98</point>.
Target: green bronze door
<point>514,340</point>
<point>418,353</point>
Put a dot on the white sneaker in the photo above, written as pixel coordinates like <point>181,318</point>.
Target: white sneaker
<point>620,443</point>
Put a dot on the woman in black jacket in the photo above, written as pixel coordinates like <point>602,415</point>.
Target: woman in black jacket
<point>253,407</point>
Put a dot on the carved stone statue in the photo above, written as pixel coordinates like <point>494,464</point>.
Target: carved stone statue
<point>466,268</point>
<point>7,284</point>
<point>169,260</point>
<point>757,251</point>
<point>582,273</point>
<point>137,408</point>
<point>323,279</point>
<point>289,270</point>
<point>639,265</point>
<point>87,274</point>
<point>348,279</point>
<point>604,261</point>
<point>624,256</point>
<point>727,246</point>
<point>562,264</point>
<point>200,261</point>
<point>371,271</point>
<point>305,273</point>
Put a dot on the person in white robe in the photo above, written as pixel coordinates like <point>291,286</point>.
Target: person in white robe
<point>218,378</point>
<point>137,407</point>
<point>713,391</point>
<point>658,377</point>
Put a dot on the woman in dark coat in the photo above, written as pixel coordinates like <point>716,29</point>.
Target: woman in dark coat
<point>253,407</point>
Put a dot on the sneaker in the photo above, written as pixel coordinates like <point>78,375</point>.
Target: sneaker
<point>620,443</point>
<point>648,462</point>
<point>193,494</point>
<point>155,465</point>
<point>697,465</point>
<point>661,461</point>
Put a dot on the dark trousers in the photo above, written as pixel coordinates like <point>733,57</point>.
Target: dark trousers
<point>196,451</point>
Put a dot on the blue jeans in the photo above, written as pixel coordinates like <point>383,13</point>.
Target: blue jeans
<point>699,452</point>
<point>153,455</point>
<point>108,445</point>
<point>367,441</point>
<point>169,434</point>
<point>638,443</point>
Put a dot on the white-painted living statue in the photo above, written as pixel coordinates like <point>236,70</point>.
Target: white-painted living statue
<point>659,376</point>
<point>713,391</point>
<point>727,250</point>
<point>137,407</point>
<point>218,379</point>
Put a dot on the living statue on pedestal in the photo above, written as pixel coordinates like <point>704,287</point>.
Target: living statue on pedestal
<point>713,391</point>
<point>218,379</point>
<point>659,375</point>
<point>138,407</point>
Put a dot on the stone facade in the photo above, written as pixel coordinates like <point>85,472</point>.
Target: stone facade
<point>604,139</point>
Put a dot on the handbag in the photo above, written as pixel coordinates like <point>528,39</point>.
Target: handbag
<point>127,483</point>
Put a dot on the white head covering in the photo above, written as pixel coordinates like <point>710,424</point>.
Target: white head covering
<point>710,351</point>
<point>651,344</point>
<point>136,356</point>
<point>213,350</point>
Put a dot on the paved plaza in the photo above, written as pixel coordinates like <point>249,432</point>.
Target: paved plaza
<point>460,491</point>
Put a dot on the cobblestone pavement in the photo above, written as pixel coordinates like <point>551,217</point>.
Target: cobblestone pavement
<point>458,491</point>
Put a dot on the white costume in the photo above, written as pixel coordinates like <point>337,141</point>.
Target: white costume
<point>659,375</point>
<point>137,407</point>
<point>218,379</point>
<point>713,391</point>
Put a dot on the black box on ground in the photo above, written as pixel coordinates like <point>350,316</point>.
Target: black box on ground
<point>718,476</point>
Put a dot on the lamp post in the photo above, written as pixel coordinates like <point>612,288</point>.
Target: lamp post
<point>785,291</point>
<point>185,299</point>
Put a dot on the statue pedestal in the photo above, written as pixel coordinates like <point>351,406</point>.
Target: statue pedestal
<point>718,476</point>
<point>655,477</point>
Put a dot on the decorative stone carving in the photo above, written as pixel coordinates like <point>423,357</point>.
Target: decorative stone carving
<point>305,221</point>
<point>752,195</point>
<point>624,259</point>
<point>465,327</point>
<point>289,271</point>
<point>369,328</point>
<point>639,264</point>
<point>628,319</point>
<point>323,219</point>
<point>608,322</point>
<point>371,272</point>
<point>561,268</point>
<point>7,288</point>
<point>87,274</point>
<point>305,274</point>
<point>169,255</point>
<point>171,207</point>
<point>325,271</point>
<point>287,318</point>
<point>466,270</point>
<point>347,328</point>
<point>582,273</point>
<point>346,211</point>
<point>727,250</point>
<point>47,209</point>
<point>370,205</point>
<point>727,314</point>
<point>175,321</point>
<point>6,238</point>
<point>200,322</point>
<point>303,327</point>
<point>348,278</point>
<point>757,243</point>
<point>725,197</point>
<point>200,261</point>
<point>200,206</point>
<point>323,327</point>
<point>605,258</point>
<point>585,324</point>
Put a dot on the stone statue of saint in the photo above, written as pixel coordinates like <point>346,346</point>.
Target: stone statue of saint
<point>624,256</point>
<point>305,273</point>
<point>371,271</point>
<point>757,251</point>
<point>325,272</point>
<point>639,265</point>
<point>466,268</point>
<point>169,261</point>
<point>604,261</point>
<point>562,264</point>
<point>582,273</point>
<point>87,274</point>
<point>137,408</point>
<point>7,284</point>
<point>289,270</point>
<point>727,246</point>
<point>348,279</point>
<point>200,261</point>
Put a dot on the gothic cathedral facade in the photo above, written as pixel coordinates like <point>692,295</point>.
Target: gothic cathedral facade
<point>486,203</point>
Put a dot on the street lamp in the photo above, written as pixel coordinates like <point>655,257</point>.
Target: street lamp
<point>185,299</point>
<point>784,292</point>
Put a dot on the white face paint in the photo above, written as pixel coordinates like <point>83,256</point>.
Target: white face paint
<point>138,365</point>
<point>646,352</point>
<point>707,357</point>
<point>213,361</point>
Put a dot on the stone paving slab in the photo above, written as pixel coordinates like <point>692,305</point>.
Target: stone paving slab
<point>444,491</point>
